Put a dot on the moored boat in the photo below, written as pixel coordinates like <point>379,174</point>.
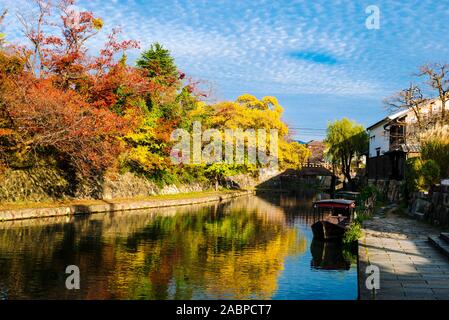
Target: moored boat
<point>335,217</point>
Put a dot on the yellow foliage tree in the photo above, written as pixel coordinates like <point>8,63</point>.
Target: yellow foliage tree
<point>248,112</point>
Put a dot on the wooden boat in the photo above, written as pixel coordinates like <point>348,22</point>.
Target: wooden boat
<point>335,216</point>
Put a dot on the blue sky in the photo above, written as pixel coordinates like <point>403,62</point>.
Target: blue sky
<point>316,57</point>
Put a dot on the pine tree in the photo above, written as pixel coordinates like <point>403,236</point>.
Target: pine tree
<point>158,62</point>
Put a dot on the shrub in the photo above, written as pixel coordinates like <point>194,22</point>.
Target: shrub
<point>421,174</point>
<point>369,192</point>
<point>438,151</point>
<point>435,146</point>
<point>367,201</point>
<point>412,168</point>
<point>353,233</point>
<point>430,172</point>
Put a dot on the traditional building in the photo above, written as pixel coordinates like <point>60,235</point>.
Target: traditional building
<point>392,140</point>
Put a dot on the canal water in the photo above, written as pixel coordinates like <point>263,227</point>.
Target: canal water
<point>252,247</point>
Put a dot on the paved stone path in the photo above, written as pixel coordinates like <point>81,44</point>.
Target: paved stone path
<point>410,267</point>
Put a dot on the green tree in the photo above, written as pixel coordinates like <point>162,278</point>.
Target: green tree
<point>165,109</point>
<point>346,141</point>
<point>218,171</point>
<point>158,62</point>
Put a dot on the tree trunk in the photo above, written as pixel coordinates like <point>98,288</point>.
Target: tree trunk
<point>346,170</point>
<point>443,111</point>
<point>350,182</point>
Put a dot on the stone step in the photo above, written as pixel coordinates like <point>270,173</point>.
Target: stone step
<point>440,244</point>
<point>445,236</point>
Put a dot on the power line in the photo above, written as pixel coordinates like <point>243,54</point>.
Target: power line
<point>303,129</point>
<point>308,129</point>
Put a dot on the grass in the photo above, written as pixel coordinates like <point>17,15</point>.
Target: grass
<point>59,203</point>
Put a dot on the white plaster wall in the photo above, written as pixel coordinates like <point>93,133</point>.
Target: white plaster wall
<point>378,138</point>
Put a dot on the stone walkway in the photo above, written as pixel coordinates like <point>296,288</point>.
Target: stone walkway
<point>410,267</point>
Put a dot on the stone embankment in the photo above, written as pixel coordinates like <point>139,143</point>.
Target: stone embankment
<point>389,189</point>
<point>432,206</point>
<point>46,184</point>
<point>97,206</point>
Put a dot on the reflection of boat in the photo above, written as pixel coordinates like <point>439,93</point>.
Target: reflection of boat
<point>335,218</point>
<point>328,255</point>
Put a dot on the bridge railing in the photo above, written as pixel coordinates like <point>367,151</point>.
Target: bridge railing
<point>317,165</point>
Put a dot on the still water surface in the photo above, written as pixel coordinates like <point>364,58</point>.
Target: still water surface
<point>254,247</point>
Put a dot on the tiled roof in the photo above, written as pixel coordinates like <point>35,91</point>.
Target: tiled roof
<point>407,148</point>
<point>414,148</point>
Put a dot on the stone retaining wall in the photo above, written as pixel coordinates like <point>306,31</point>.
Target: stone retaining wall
<point>246,181</point>
<point>49,183</point>
<point>108,206</point>
<point>389,189</point>
<point>432,206</point>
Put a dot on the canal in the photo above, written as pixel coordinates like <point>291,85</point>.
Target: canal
<point>252,247</point>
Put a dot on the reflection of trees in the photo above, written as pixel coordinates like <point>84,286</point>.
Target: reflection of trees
<point>231,250</point>
<point>253,274</point>
<point>234,253</point>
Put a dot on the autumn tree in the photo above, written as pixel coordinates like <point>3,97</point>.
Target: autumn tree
<point>346,141</point>
<point>166,104</point>
<point>248,112</point>
<point>61,104</point>
<point>58,100</point>
<point>44,120</point>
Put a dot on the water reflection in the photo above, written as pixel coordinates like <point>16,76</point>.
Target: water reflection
<point>331,255</point>
<point>241,249</point>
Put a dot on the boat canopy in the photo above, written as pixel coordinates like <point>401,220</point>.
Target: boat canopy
<point>335,203</point>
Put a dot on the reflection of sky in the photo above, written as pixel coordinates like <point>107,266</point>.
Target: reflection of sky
<point>298,281</point>
<point>316,56</point>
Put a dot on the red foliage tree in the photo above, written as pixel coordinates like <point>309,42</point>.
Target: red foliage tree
<point>60,100</point>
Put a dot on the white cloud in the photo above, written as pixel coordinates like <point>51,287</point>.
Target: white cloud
<point>246,45</point>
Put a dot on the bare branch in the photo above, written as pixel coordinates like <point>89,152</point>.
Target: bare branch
<point>438,79</point>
